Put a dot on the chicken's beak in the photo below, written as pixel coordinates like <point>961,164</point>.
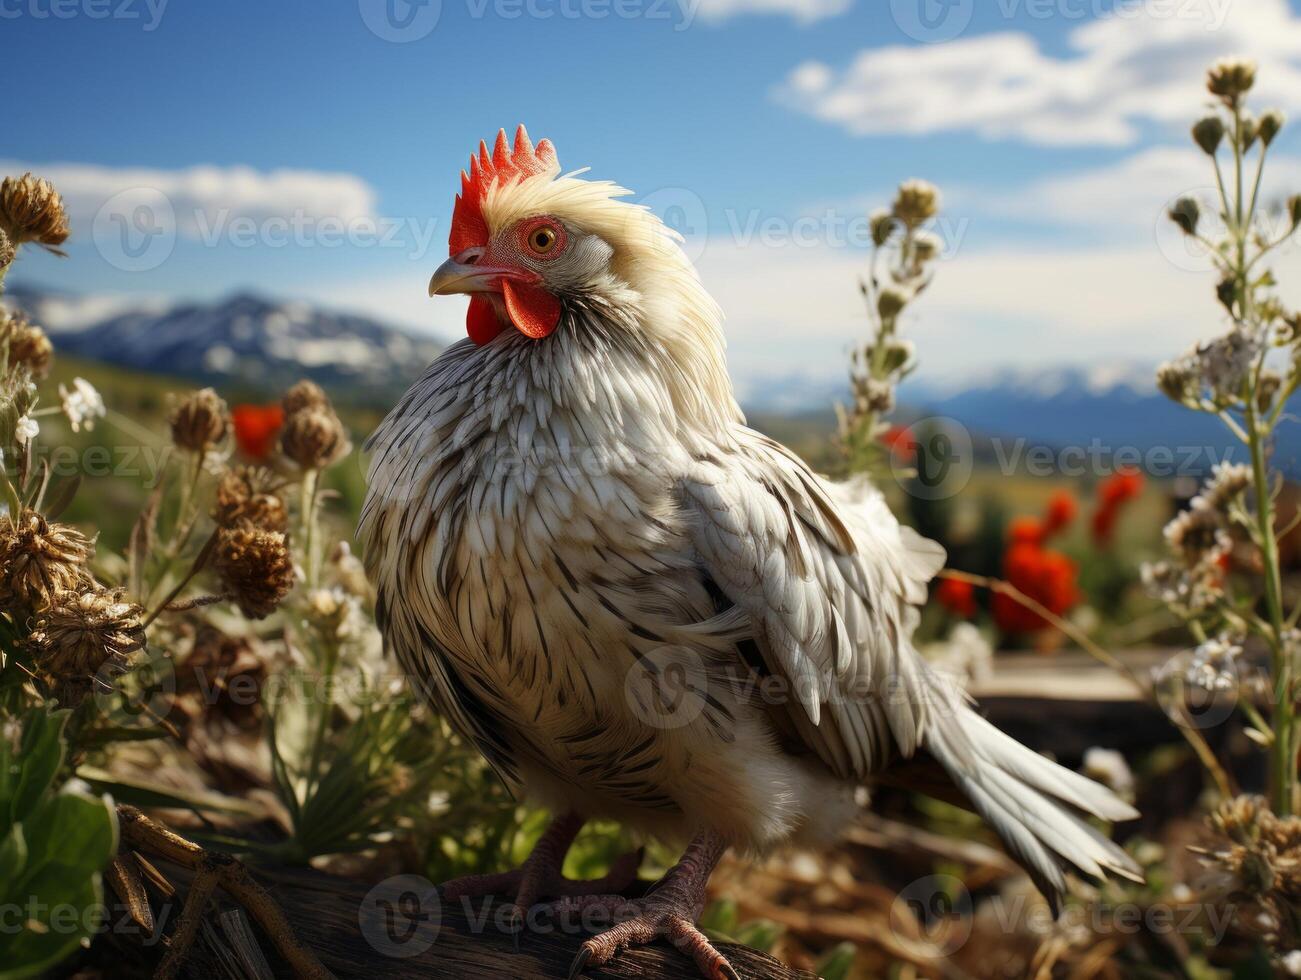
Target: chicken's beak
<point>465,273</point>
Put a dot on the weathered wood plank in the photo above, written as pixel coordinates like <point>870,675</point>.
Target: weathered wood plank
<point>402,932</point>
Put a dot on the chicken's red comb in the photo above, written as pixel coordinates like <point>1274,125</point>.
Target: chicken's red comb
<point>504,164</point>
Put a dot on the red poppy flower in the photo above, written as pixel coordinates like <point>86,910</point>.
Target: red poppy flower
<point>1048,577</point>
<point>1025,530</point>
<point>957,597</point>
<point>256,428</point>
<point>900,441</point>
<point>1061,512</point>
<point>1114,492</point>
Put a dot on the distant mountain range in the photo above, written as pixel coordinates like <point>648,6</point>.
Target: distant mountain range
<point>257,343</point>
<point>245,340</point>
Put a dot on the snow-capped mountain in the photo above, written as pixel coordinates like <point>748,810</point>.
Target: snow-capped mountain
<point>245,339</point>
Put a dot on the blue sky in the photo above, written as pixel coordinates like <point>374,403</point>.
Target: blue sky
<point>766,128</point>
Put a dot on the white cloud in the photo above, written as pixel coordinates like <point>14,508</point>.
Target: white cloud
<point>198,200</point>
<point>796,311</point>
<point>803,11</point>
<point>1135,65</point>
<point>402,300</point>
<point>1128,196</point>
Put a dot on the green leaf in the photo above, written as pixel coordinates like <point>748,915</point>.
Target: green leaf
<point>13,854</point>
<point>39,758</point>
<point>69,839</point>
<point>760,934</point>
<point>140,793</point>
<point>720,917</point>
<point>72,830</point>
<point>837,964</point>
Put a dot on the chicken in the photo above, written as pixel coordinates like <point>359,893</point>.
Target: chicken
<point>638,608</point>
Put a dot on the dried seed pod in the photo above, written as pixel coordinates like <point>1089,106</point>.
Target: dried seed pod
<point>1231,78</point>
<point>303,396</point>
<point>314,439</point>
<point>256,568</point>
<point>80,633</point>
<point>29,346</point>
<point>249,494</point>
<point>39,560</point>
<point>1208,133</point>
<point>916,202</point>
<point>31,210</point>
<point>200,422</point>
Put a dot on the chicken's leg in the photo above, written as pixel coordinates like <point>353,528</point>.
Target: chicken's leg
<point>540,875</point>
<point>670,910</point>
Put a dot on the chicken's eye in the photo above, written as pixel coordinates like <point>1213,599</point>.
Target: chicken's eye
<point>542,239</point>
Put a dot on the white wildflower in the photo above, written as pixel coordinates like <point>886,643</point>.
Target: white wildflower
<point>1228,482</point>
<point>82,404</point>
<point>1226,362</point>
<point>878,396</point>
<point>967,654</point>
<point>1214,664</point>
<point>26,430</point>
<point>1109,767</point>
<point>1291,963</point>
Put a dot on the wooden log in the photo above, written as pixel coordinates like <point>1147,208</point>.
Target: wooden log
<point>400,930</point>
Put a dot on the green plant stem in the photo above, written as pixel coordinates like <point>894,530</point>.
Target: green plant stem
<point>1282,760</point>
<point>311,483</point>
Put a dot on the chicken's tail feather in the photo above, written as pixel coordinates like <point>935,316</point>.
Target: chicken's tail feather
<point>1037,807</point>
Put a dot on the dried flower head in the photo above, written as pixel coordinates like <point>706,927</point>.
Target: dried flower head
<point>303,396</point>
<point>1186,212</point>
<point>1226,362</point>
<point>222,677</point>
<point>1270,125</point>
<point>1178,381</point>
<point>1294,210</point>
<point>249,494</point>
<point>1197,533</point>
<point>898,354</point>
<point>81,633</point>
<point>1228,482</point>
<point>39,560</point>
<point>1231,78</point>
<point>890,303</point>
<point>28,345</point>
<point>31,210</point>
<point>875,396</point>
<point>1249,129</point>
<point>7,249</point>
<point>314,439</point>
<point>926,246</point>
<point>256,568</point>
<point>916,202</point>
<point>882,224</point>
<point>200,421</point>
<point>1208,133</point>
